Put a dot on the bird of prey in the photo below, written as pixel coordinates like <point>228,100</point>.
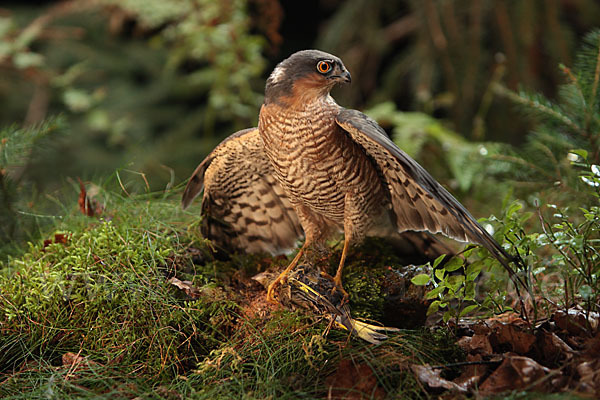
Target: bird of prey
<point>327,169</point>
<point>245,209</point>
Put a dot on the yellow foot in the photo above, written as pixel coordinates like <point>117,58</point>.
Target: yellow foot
<point>283,275</point>
<point>337,280</point>
<point>273,285</point>
<point>271,291</point>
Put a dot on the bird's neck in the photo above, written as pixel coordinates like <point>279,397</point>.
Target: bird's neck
<point>305,102</point>
<point>302,94</point>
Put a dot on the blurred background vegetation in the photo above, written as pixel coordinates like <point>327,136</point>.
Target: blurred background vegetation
<point>91,87</point>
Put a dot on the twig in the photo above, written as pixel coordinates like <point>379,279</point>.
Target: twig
<point>465,363</point>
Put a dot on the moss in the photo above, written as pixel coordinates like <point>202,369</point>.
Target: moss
<point>103,293</point>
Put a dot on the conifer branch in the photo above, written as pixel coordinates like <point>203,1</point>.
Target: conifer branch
<point>592,102</point>
<point>542,109</point>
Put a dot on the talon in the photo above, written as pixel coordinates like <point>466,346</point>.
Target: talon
<point>337,280</point>
<point>271,290</point>
<point>283,275</point>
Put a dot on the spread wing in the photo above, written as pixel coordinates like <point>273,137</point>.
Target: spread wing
<point>419,202</point>
<point>244,207</point>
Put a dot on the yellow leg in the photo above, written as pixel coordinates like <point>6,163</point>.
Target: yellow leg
<point>293,264</point>
<point>337,279</point>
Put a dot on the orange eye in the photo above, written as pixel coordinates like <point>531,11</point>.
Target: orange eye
<point>323,67</point>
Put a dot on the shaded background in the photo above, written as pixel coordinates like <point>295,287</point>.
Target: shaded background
<point>151,86</point>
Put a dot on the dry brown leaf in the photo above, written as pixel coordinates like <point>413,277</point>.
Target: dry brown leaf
<point>576,321</point>
<point>87,205</point>
<point>187,286</point>
<point>58,238</point>
<point>553,348</point>
<point>353,381</point>
<point>476,344</point>
<point>481,344</point>
<point>515,372</point>
<point>75,363</point>
<point>592,347</point>
<point>480,328</point>
<point>472,374</point>
<point>513,335</point>
<point>589,373</point>
<point>431,377</point>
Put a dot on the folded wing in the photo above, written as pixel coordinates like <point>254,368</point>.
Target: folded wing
<point>244,207</point>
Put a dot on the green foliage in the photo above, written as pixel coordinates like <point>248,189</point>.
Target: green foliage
<point>213,32</point>
<point>15,45</point>
<point>454,287</point>
<point>563,254</point>
<point>17,148</point>
<point>444,57</point>
<point>146,84</point>
<point>576,258</point>
<point>446,154</point>
<point>570,122</point>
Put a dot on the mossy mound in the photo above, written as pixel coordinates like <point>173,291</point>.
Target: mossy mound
<point>92,313</point>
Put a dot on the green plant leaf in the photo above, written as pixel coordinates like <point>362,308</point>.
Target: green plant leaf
<point>433,293</point>
<point>420,280</point>
<point>581,153</point>
<point>447,315</point>
<point>454,264</point>
<point>468,309</point>
<point>433,307</point>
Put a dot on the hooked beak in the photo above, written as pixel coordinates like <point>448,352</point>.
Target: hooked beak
<point>342,76</point>
<point>346,77</point>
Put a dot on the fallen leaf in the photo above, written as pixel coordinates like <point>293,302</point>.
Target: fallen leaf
<point>576,321</point>
<point>353,381</point>
<point>58,238</point>
<point>478,344</point>
<point>592,347</point>
<point>513,335</point>
<point>61,238</point>
<point>431,377</point>
<point>515,373</point>
<point>553,348</point>
<point>87,205</point>
<point>472,374</point>
<point>76,363</point>
<point>187,286</point>
<point>589,373</point>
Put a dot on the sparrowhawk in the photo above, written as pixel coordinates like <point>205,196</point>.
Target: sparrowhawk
<point>314,166</point>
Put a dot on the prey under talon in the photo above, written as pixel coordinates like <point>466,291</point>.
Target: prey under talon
<point>284,274</point>
<point>271,290</point>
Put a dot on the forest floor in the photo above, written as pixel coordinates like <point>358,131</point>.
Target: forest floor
<point>127,302</point>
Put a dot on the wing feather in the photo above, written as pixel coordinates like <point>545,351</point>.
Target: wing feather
<point>244,207</point>
<point>419,202</point>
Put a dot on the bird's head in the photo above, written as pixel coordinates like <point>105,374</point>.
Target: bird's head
<point>305,75</point>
